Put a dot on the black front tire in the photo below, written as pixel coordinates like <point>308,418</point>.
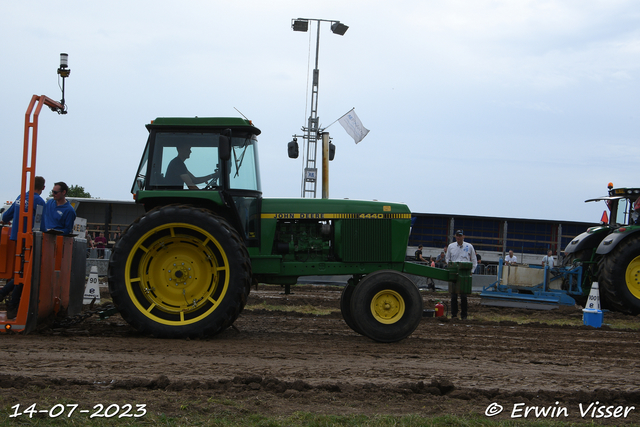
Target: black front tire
<point>180,271</point>
<point>619,277</point>
<point>386,306</point>
<point>345,307</point>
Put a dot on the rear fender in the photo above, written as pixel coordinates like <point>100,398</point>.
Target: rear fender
<point>613,239</point>
<point>588,240</point>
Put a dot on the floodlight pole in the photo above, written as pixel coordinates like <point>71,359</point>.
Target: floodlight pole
<point>310,178</point>
<point>325,164</point>
<point>310,173</point>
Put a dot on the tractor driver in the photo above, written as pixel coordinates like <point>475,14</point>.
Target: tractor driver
<point>177,173</point>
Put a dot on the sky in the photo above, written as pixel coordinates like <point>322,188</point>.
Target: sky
<point>516,108</point>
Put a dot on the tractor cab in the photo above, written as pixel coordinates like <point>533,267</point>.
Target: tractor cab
<point>225,150</point>
<point>211,162</point>
<point>622,205</point>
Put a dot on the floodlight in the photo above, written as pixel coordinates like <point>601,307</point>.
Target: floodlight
<point>292,149</point>
<point>339,28</point>
<point>300,25</point>
<point>64,70</point>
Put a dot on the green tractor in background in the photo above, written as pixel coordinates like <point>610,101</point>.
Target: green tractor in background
<point>185,268</point>
<point>610,252</point>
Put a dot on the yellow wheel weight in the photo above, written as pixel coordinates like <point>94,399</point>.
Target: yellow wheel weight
<point>182,275</point>
<point>387,306</point>
<point>632,277</point>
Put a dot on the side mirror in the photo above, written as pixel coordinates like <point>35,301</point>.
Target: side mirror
<point>224,145</point>
<point>292,149</point>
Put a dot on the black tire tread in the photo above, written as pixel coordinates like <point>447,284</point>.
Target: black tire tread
<point>361,302</point>
<point>612,276</point>
<point>345,307</point>
<point>219,320</point>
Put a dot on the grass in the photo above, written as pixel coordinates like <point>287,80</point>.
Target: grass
<point>304,309</point>
<point>627,322</point>
<point>631,323</point>
<point>294,420</point>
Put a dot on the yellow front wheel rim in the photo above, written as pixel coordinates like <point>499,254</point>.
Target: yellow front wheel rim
<point>632,277</point>
<point>177,274</point>
<point>387,306</point>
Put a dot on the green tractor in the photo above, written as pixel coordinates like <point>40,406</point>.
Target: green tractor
<point>185,268</point>
<point>610,252</point>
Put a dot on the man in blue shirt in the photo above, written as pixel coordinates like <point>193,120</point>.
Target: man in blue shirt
<point>13,214</point>
<point>59,215</point>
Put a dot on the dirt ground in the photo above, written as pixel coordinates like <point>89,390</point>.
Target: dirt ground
<point>277,363</point>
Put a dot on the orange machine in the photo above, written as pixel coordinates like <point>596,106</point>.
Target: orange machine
<point>52,278</point>
<point>7,253</point>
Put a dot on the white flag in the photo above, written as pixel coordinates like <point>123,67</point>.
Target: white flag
<point>352,124</point>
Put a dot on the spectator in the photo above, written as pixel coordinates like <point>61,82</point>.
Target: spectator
<point>548,259</point>
<point>431,285</point>
<point>89,239</point>
<point>480,267</point>
<point>441,260</point>
<point>9,215</point>
<point>116,235</point>
<point>511,259</point>
<point>101,243</point>
<point>419,254</point>
<point>90,242</point>
<point>59,215</point>
<point>460,251</point>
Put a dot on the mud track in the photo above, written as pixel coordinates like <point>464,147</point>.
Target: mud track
<point>277,363</point>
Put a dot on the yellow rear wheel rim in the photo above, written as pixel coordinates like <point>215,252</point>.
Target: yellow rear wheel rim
<point>632,277</point>
<point>387,306</point>
<point>177,274</point>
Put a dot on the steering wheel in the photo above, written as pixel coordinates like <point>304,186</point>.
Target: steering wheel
<point>214,180</point>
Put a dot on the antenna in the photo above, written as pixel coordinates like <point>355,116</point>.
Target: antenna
<point>240,113</point>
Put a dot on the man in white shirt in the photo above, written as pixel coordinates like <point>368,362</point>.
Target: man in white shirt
<point>548,260</point>
<point>460,251</point>
<point>511,259</point>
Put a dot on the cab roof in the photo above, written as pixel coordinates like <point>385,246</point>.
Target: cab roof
<point>204,122</point>
<point>619,193</point>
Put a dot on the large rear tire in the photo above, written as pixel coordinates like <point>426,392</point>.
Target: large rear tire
<point>386,306</point>
<point>620,276</point>
<point>180,271</point>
